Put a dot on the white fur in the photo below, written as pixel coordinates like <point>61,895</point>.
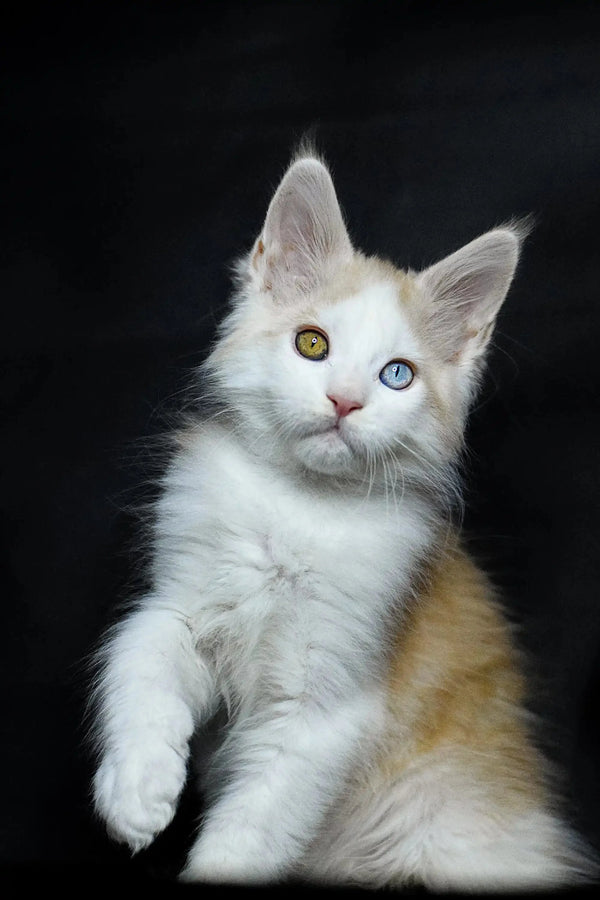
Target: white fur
<point>284,543</point>
<point>274,600</point>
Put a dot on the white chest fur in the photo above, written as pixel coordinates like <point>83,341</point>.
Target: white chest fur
<point>280,580</point>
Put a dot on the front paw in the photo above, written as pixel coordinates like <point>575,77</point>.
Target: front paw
<point>136,791</point>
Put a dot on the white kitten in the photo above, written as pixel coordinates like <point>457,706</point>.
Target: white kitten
<point>308,585</point>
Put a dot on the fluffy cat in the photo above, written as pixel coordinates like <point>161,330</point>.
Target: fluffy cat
<point>311,604</point>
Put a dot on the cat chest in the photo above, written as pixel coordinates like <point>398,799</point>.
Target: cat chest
<point>268,565</point>
<point>287,613</point>
<point>270,553</point>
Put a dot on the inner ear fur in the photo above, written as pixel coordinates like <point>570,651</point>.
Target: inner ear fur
<point>304,234</point>
<point>465,291</point>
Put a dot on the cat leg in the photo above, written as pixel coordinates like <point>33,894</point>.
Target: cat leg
<point>153,690</point>
<point>281,775</point>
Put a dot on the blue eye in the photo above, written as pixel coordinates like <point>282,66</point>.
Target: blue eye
<point>397,375</point>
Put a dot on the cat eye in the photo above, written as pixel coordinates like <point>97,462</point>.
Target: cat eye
<point>397,375</point>
<point>312,344</point>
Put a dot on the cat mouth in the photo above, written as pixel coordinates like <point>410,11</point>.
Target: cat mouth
<point>332,432</point>
<point>335,438</point>
<point>325,449</point>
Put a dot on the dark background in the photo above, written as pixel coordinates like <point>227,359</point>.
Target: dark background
<point>140,146</point>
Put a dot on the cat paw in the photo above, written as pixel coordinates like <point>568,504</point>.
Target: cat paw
<point>136,792</point>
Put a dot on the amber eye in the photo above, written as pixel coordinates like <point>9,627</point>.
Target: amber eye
<point>312,344</point>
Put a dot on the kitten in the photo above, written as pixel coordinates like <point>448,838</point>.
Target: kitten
<point>311,601</point>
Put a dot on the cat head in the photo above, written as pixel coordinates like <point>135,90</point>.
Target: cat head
<point>343,364</point>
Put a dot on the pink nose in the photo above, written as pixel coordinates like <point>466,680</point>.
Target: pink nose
<point>343,406</point>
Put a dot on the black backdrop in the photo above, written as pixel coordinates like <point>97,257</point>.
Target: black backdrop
<point>140,147</point>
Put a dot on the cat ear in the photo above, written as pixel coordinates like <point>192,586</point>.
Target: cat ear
<point>304,236</point>
<point>465,291</point>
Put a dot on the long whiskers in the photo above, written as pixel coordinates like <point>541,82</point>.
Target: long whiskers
<point>397,471</point>
<point>425,463</point>
<point>441,479</point>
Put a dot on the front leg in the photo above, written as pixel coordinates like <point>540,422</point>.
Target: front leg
<point>283,774</point>
<point>153,690</point>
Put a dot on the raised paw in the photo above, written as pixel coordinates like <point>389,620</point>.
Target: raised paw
<point>136,791</point>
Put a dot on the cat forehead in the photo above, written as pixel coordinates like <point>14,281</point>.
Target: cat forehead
<point>378,314</point>
<point>361,274</point>
<point>376,302</point>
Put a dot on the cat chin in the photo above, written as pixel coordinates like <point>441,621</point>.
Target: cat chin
<point>326,453</point>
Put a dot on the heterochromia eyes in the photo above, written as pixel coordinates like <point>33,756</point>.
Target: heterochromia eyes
<point>396,375</point>
<point>312,344</point>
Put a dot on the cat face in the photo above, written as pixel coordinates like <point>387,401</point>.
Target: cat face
<point>340,385</point>
<point>357,398</point>
<point>342,381</point>
<point>344,364</point>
